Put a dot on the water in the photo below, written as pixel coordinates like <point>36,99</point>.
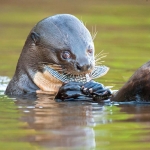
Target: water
<point>42,123</point>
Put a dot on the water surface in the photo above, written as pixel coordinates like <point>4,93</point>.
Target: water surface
<point>42,123</point>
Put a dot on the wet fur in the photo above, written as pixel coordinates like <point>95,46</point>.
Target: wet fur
<point>137,88</point>
<point>45,42</point>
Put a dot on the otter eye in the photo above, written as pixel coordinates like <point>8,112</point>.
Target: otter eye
<point>66,55</point>
<point>90,51</point>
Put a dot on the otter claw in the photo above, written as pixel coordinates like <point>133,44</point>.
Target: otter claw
<point>107,92</point>
<point>91,90</point>
<point>102,96</point>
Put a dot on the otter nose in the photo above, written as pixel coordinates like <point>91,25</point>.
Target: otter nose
<point>83,67</point>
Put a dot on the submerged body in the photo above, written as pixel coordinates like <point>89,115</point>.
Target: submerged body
<point>61,43</point>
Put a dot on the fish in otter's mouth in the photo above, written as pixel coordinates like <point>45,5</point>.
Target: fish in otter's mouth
<point>99,70</point>
<point>56,72</point>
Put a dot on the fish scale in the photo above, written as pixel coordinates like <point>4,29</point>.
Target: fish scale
<point>97,72</point>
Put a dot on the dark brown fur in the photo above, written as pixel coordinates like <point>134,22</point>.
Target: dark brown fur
<point>137,88</point>
<point>45,44</point>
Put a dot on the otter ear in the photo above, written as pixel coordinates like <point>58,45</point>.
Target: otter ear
<point>35,37</point>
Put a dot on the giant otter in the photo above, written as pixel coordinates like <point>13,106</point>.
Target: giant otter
<point>59,49</point>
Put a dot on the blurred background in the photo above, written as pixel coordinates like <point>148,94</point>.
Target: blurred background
<point>123,28</point>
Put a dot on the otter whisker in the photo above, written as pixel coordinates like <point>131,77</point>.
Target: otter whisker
<point>83,21</point>
<point>92,31</point>
<point>95,29</point>
<point>94,35</point>
<point>99,58</point>
<point>99,63</point>
<point>105,54</point>
<point>98,54</point>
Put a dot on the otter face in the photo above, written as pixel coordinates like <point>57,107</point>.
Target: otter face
<point>64,40</point>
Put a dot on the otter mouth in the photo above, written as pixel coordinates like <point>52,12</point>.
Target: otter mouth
<point>57,72</point>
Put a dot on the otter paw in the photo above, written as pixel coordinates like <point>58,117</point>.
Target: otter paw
<point>70,90</point>
<point>96,90</point>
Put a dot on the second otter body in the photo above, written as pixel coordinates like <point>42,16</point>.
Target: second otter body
<point>62,40</point>
<point>137,88</point>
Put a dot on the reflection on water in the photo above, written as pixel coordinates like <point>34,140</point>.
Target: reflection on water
<point>84,125</point>
<point>128,129</point>
<point>44,123</point>
<point>63,124</point>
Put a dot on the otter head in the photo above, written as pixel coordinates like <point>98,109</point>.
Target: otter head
<point>64,40</point>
